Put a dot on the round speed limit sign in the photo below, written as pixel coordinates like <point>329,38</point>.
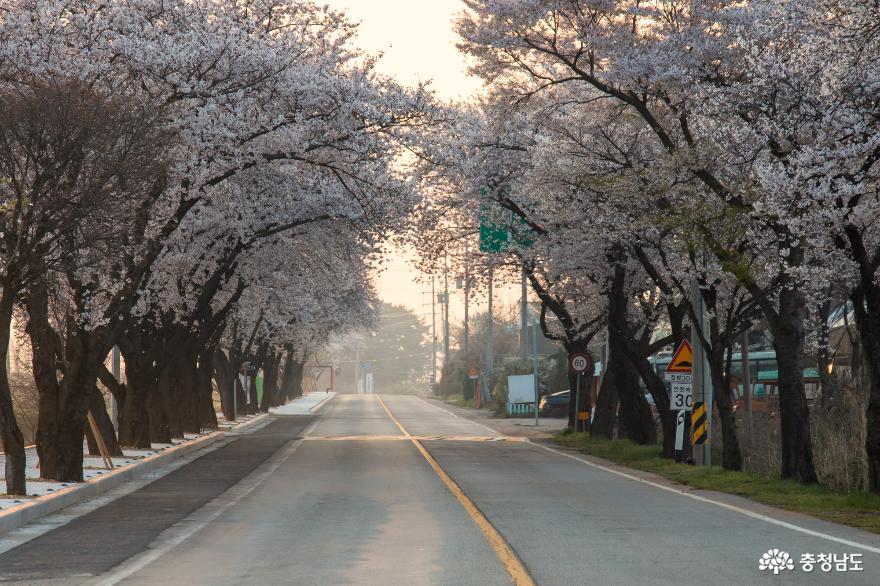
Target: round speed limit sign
<point>579,363</point>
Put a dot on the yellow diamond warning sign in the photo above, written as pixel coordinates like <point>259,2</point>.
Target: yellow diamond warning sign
<point>683,359</point>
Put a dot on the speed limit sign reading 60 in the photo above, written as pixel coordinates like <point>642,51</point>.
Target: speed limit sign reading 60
<point>682,397</point>
<point>579,363</point>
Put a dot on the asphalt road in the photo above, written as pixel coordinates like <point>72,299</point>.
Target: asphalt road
<point>395,490</point>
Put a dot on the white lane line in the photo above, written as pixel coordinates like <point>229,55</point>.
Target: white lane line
<point>189,526</point>
<point>720,504</point>
<point>471,421</point>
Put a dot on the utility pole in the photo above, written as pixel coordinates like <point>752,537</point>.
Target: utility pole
<point>490,342</point>
<point>433,336</point>
<point>446,312</point>
<point>535,368</point>
<point>467,295</point>
<point>702,385</point>
<point>746,371</point>
<point>357,364</point>
<point>523,319</point>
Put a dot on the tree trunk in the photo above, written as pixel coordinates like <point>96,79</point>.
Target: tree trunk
<point>205,377</point>
<point>606,406</point>
<point>134,423</point>
<point>13,440</point>
<point>99,411</point>
<point>293,386</point>
<point>157,405</point>
<point>270,381</point>
<point>635,418</point>
<point>225,382</point>
<point>794,415</point>
<point>65,439</point>
<point>866,301</point>
<point>731,457</point>
<point>657,388</point>
<point>183,382</point>
<point>286,382</point>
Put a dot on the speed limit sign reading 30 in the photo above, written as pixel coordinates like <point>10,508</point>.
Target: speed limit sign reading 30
<point>682,397</point>
<point>579,363</point>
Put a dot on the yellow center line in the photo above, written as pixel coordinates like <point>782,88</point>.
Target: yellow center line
<point>508,557</point>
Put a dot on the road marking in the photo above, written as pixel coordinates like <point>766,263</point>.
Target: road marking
<point>421,438</point>
<point>471,421</point>
<point>508,557</point>
<point>189,526</point>
<point>720,504</point>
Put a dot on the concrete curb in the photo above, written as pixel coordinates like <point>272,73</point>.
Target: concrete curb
<point>47,504</point>
<point>318,406</point>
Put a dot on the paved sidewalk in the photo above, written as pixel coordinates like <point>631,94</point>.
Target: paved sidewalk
<point>97,541</point>
<point>304,405</point>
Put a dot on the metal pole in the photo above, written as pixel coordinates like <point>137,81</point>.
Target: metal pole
<point>490,342</point>
<point>702,388</point>
<point>357,364</point>
<point>433,336</point>
<point>467,294</point>
<point>446,312</point>
<point>577,401</point>
<point>523,324</point>
<point>116,366</point>
<point>747,384</point>
<point>535,368</point>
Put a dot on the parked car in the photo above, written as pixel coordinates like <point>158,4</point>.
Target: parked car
<point>555,404</point>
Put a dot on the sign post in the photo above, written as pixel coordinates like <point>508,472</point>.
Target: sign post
<point>681,397</point>
<point>578,363</point>
<point>473,376</point>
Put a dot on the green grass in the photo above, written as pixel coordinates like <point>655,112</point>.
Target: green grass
<point>458,400</point>
<point>859,509</point>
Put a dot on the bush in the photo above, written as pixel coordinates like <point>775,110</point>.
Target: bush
<point>838,433</point>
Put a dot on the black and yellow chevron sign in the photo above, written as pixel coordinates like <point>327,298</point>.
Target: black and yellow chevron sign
<point>699,426</point>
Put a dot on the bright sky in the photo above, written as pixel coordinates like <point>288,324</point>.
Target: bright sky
<point>417,41</point>
<point>418,44</point>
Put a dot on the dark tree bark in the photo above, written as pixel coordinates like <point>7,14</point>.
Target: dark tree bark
<point>226,384</point>
<point>205,377</point>
<point>134,422</point>
<point>606,404</point>
<point>13,440</point>
<point>63,440</point>
<point>794,414</point>
<point>635,418</point>
<point>866,301</point>
<point>270,380</point>
<point>731,456</point>
<point>105,426</point>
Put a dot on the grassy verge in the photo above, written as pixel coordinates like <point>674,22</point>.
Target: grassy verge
<point>458,400</point>
<point>860,509</point>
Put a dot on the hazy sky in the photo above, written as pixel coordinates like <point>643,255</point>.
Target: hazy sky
<point>418,44</point>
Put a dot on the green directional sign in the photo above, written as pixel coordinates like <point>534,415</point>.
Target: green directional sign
<point>501,229</point>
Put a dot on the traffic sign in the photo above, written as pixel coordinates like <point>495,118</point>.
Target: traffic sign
<point>683,359</point>
<point>680,374</point>
<point>584,416</point>
<point>579,363</point>
<point>473,373</point>
<point>682,397</point>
